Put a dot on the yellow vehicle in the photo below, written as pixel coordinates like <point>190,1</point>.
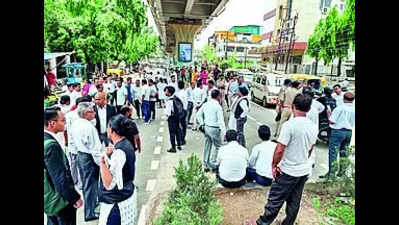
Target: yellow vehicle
<point>115,71</point>
<point>307,80</point>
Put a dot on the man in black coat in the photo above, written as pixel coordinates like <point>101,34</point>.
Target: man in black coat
<point>104,112</point>
<point>59,173</point>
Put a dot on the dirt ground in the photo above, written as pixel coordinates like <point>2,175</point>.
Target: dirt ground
<point>239,205</point>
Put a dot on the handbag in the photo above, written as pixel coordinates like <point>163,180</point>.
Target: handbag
<point>278,117</point>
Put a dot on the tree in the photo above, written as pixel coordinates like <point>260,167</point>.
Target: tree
<point>208,53</point>
<point>313,47</point>
<point>98,30</point>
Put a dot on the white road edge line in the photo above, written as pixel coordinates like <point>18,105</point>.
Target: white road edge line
<point>154,164</point>
<point>150,185</point>
<point>141,220</point>
<point>157,150</point>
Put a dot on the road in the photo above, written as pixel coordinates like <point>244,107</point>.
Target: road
<point>155,167</point>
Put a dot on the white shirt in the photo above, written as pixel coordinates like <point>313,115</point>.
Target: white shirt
<point>244,108</point>
<point>70,119</point>
<point>54,136</point>
<point>199,95</point>
<point>152,91</point>
<point>339,98</point>
<point>343,116</point>
<point>102,115</point>
<point>136,92</point>
<point>173,84</point>
<point>315,109</point>
<point>169,106</point>
<point>86,139</point>
<point>73,96</point>
<point>121,94</point>
<point>209,92</point>
<point>233,161</point>
<point>189,92</point>
<point>109,87</point>
<point>116,164</point>
<point>182,95</point>
<point>298,135</point>
<point>161,92</point>
<point>261,158</point>
<point>211,114</point>
<point>92,89</point>
<point>145,91</point>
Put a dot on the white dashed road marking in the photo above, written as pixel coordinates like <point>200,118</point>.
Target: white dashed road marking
<point>160,139</point>
<point>154,164</point>
<point>150,185</point>
<point>161,129</point>
<point>162,123</point>
<point>157,150</point>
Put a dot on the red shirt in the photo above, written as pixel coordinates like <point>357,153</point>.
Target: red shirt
<point>50,78</point>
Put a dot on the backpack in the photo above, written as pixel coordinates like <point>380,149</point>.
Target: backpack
<point>178,109</point>
<point>53,201</point>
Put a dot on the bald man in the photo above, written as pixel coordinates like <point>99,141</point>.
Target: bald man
<point>104,112</point>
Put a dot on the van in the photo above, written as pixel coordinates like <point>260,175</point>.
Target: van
<point>265,87</point>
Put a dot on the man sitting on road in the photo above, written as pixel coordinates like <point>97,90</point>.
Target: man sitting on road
<point>260,161</point>
<point>232,162</point>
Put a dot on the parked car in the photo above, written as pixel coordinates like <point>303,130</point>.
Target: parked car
<point>265,87</point>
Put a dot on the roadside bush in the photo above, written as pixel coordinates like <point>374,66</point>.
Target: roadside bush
<point>192,201</point>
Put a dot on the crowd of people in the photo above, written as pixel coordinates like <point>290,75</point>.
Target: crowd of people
<point>92,131</point>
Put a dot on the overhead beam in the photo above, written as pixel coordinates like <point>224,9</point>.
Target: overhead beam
<point>178,15</point>
<point>204,3</point>
<point>189,7</point>
<point>174,2</point>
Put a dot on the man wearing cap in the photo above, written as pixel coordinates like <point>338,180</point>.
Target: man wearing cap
<point>342,121</point>
<point>239,113</point>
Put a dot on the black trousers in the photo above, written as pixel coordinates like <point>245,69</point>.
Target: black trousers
<point>183,126</point>
<point>190,108</point>
<point>152,110</point>
<point>118,108</point>
<point>175,133</point>
<point>287,189</point>
<point>67,216</point>
<point>137,107</point>
<point>90,175</point>
<point>113,94</point>
<point>230,184</point>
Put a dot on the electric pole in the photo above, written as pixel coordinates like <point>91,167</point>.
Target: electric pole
<point>292,42</point>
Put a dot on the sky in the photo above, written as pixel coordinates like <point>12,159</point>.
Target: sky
<point>237,13</point>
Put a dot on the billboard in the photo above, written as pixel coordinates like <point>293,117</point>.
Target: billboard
<point>185,52</point>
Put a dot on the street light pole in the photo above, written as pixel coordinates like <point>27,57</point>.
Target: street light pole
<point>245,59</point>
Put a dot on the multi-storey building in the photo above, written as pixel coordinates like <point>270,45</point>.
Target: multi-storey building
<point>238,41</point>
<point>309,13</point>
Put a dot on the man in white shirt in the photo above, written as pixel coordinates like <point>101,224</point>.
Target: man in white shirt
<point>342,121</point>
<point>175,133</point>
<point>109,87</point>
<point>232,162</point>
<point>190,100</point>
<point>210,117</point>
<point>199,97</point>
<point>338,95</point>
<point>121,95</point>
<point>239,113</point>
<point>136,90</point>
<point>76,93</point>
<point>295,145</point>
<point>182,95</point>
<point>260,161</point>
<point>90,149</point>
<point>153,98</point>
<point>209,88</point>
<point>173,82</point>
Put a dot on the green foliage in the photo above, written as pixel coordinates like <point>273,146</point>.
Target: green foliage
<point>98,30</point>
<point>192,201</point>
<point>342,211</point>
<point>208,53</point>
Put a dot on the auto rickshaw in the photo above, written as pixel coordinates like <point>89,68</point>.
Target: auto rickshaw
<point>114,71</point>
<point>317,83</point>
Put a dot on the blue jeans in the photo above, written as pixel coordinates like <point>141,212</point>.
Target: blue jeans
<point>339,142</point>
<point>145,107</point>
<point>253,176</point>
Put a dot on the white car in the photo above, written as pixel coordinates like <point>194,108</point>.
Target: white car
<point>265,87</point>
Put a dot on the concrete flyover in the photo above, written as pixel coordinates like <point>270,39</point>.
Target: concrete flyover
<point>180,20</point>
